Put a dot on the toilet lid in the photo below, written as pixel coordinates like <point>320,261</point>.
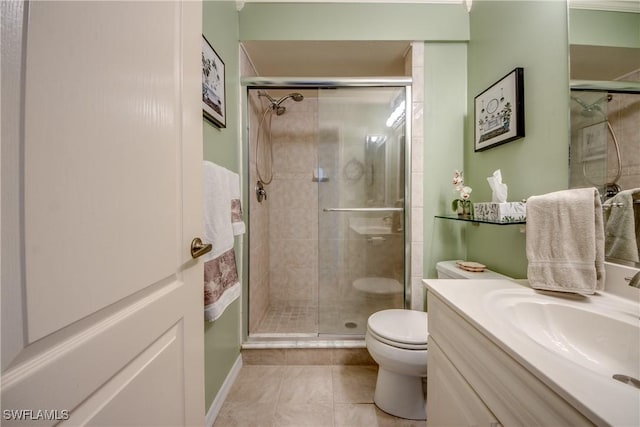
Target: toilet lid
<point>378,285</point>
<point>400,327</point>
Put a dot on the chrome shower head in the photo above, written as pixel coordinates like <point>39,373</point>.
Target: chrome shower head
<point>592,109</point>
<point>295,96</point>
<point>275,104</point>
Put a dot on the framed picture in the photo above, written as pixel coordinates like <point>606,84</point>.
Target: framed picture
<point>213,83</point>
<point>499,112</point>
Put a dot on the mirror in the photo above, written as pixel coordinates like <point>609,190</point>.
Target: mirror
<point>605,115</point>
<point>375,165</point>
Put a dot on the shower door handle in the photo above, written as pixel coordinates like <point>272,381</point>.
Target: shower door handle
<point>363,209</point>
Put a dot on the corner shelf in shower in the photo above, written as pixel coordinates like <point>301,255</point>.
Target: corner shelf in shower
<point>480,221</point>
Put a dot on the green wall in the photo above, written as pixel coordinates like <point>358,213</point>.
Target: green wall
<point>602,28</point>
<point>351,21</point>
<point>445,110</point>
<point>221,146</point>
<point>506,35</point>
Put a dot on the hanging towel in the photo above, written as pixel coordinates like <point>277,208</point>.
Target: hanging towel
<point>565,241</point>
<point>236,208</point>
<point>620,226</point>
<point>221,283</point>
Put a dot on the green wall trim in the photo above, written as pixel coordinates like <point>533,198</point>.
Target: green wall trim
<point>353,21</point>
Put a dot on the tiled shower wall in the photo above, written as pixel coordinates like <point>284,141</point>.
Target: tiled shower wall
<point>293,204</point>
<point>414,66</point>
<point>259,214</point>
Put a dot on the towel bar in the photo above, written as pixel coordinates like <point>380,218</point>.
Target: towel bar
<point>363,209</point>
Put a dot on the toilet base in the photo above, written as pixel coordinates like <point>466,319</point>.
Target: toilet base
<point>400,395</point>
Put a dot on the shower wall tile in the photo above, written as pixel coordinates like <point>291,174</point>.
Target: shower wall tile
<point>293,216</point>
<point>258,221</point>
<point>416,259</point>
<point>417,197</point>
<point>417,52</point>
<point>417,225</point>
<point>417,154</point>
<point>295,284</point>
<point>417,176</point>
<point>417,117</point>
<point>417,294</point>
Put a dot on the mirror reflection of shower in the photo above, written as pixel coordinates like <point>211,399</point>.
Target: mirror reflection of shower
<point>591,132</point>
<point>264,149</point>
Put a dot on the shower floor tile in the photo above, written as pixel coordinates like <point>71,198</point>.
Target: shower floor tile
<point>286,318</point>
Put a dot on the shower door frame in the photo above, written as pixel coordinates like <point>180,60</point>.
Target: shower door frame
<point>292,83</point>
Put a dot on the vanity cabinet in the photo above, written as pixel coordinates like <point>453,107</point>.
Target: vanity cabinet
<point>473,382</point>
<point>452,402</point>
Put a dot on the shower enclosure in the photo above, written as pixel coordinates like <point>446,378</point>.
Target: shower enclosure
<point>327,164</point>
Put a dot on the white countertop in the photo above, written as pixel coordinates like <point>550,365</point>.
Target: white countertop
<point>598,397</point>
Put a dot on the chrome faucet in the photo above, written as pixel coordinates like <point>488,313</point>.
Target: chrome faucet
<point>635,280</point>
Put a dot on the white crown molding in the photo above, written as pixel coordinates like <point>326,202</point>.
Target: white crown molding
<point>607,5</point>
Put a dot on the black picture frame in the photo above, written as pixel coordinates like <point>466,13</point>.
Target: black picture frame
<point>499,112</point>
<point>214,105</point>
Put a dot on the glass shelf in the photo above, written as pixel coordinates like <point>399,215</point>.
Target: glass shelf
<point>480,221</point>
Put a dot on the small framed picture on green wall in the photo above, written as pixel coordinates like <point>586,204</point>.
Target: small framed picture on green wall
<point>214,106</point>
<point>499,112</point>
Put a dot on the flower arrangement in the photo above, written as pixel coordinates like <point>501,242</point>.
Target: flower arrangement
<point>464,192</point>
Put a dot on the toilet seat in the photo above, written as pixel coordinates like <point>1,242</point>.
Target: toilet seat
<point>406,329</point>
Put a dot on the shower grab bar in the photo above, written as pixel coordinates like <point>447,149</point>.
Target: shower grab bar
<point>363,209</point>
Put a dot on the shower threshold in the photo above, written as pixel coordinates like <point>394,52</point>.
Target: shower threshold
<point>275,340</point>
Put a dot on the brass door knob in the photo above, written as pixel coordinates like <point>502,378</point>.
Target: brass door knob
<point>198,248</point>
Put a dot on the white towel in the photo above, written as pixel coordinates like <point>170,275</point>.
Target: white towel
<point>620,226</point>
<point>565,241</point>
<point>221,283</point>
<point>236,207</point>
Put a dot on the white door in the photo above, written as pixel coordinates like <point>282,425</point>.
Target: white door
<point>102,302</point>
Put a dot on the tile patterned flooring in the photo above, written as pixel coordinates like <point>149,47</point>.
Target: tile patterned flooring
<point>306,395</point>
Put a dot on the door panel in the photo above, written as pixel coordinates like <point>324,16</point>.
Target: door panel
<point>112,143</point>
<point>94,211</point>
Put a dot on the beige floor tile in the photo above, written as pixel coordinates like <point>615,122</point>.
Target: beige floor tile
<point>386,420</point>
<point>354,384</point>
<point>257,384</point>
<point>306,384</point>
<point>355,415</point>
<point>273,356</point>
<point>304,414</point>
<point>240,414</point>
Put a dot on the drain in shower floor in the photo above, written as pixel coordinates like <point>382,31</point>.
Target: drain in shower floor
<point>351,325</point>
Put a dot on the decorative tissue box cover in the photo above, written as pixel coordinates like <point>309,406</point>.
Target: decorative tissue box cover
<point>508,211</point>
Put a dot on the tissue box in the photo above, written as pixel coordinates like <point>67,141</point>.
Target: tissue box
<point>508,211</point>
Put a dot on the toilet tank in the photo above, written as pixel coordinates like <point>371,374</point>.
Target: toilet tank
<point>449,270</point>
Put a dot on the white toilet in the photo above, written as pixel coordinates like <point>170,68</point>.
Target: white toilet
<point>397,341</point>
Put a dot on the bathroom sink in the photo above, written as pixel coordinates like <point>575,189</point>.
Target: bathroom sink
<point>367,226</point>
<point>603,337</point>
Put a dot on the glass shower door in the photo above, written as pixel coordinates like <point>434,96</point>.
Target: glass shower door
<point>360,174</point>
